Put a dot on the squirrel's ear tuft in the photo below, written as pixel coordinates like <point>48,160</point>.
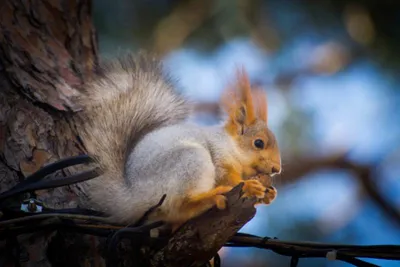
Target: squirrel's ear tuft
<point>245,94</point>
<point>237,101</point>
<point>261,106</point>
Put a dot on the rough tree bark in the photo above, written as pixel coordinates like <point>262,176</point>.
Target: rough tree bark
<point>47,49</point>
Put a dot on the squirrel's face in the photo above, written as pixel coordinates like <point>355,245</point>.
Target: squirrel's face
<point>247,124</point>
<point>260,149</point>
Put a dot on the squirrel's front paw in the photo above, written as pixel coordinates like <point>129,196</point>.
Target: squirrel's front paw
<point>219,199</point>
<point>270,195</point>
<point>254,188</point>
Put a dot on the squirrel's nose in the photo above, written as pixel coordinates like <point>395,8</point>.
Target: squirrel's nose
<point>276,170</point>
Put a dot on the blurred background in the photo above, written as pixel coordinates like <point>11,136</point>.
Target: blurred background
<point>330,69</point>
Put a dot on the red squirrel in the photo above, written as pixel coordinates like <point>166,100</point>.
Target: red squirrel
<point>136,128</point>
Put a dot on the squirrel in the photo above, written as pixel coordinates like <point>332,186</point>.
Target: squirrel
<point>136,127</point>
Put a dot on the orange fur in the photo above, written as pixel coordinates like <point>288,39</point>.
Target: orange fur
<point>196,204</point>
<point>233,176</point>
<point>260,98</point>
<point>240,95</point>
<point>247,119</point>
<point>246,95</point>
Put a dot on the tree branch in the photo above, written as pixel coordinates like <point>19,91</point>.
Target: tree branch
<point>197,241</point>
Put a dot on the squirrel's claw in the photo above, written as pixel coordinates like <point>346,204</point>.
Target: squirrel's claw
<point>254,188</point>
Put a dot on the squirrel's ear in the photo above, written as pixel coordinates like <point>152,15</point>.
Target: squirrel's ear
<point>261,105</point>
<point>237,120</point>
<point>238,102</point>
<point>240,115</point>
<point>246,97</point>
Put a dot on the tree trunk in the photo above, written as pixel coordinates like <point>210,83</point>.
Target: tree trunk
<point>47,47</point>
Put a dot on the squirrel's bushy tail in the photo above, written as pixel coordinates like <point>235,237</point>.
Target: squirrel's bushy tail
<point>129,97</point>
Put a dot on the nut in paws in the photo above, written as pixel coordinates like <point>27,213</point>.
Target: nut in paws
<point>270,193</point>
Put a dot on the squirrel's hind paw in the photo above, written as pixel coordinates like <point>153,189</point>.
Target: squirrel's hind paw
<point>220,201</point>
<point>253,188</point>
<point>219,198</point>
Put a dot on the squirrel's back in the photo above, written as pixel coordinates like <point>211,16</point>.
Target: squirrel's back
<point>129,97</point>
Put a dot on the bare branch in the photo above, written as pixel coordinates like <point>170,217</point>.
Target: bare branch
<point>199,239</point>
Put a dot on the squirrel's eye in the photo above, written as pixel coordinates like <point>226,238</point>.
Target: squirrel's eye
<point>258,143</point>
